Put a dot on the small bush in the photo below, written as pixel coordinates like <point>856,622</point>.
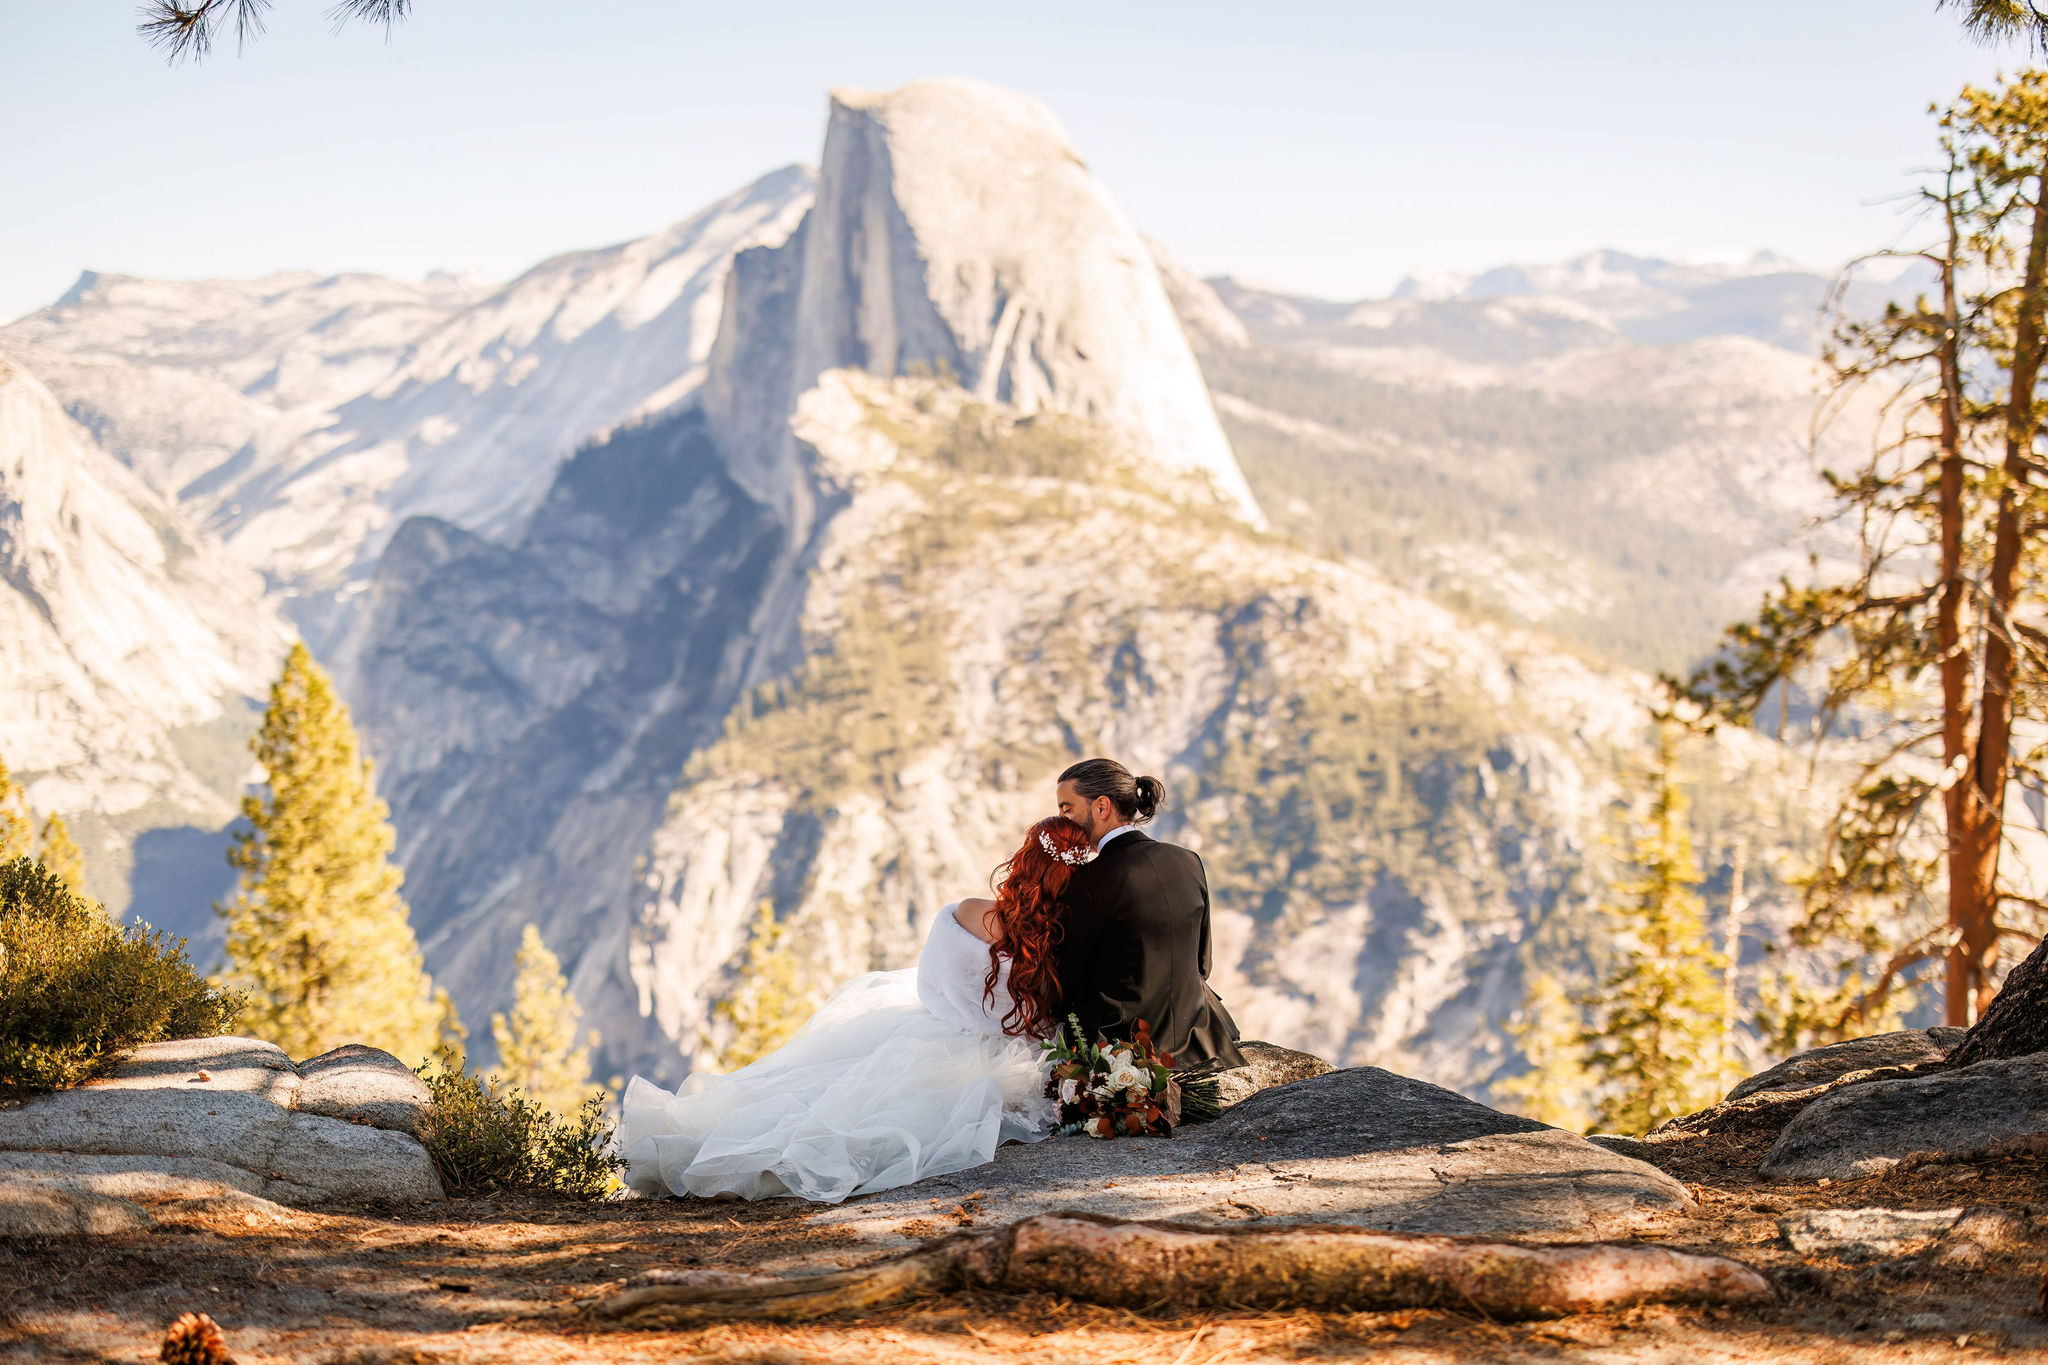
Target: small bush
<point>77,990</point>
<point>485,1137</point>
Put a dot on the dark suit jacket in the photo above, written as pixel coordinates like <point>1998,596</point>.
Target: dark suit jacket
<point>1135,945</point>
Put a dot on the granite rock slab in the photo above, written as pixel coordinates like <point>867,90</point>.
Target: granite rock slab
<point>1818,1066</point>
<point>303,1158</point>
<point>239,1064</point>
<point>153,1178</point>
<point>1865,1130</point>
<point>1361,1146</point>
<point>1856,1235</point>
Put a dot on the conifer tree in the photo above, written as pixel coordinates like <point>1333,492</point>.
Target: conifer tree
<point>537,1048</point>
<point>1656,1041</point>
<point>17,822</point>
<point>1550,1029</point>
<point>317,933</point>
<point>768,1002</point>
<point>53,847</point>
<point>61,855</point>
<point>1933,644</point>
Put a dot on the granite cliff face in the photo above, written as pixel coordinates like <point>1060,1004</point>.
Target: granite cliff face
<point>303,418</point>
<point>956,231</point>
<point>131,644</point>
<point>531,704</point>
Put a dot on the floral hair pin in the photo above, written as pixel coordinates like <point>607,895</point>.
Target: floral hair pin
<point>1072,857</point>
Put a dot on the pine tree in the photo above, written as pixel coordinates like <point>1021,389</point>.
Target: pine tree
<point>768,1002</point>
<point>1550,1029</point>
<point>53,847</point>
<point>1930,646</point>
<point>1656,1042</point>
<point>61,855</point>
<point>17,822</point>
<point>317,933</point>
<point>537,1048</point>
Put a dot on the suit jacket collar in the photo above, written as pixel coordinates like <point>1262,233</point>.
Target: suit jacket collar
<point>1134,838</point>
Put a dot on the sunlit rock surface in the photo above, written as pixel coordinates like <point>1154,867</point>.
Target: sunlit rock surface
<point>304,417</point>
<point>131,644</point>
<point>1361,1147</point>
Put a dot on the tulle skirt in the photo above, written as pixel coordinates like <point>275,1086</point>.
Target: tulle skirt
<point>872,1093</point>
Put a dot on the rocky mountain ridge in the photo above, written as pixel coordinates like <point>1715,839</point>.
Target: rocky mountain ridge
<point>304,418</point>
<point>1620,452</point>
<point>131,645</point>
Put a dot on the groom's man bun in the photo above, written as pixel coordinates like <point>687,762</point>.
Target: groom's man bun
<point>1137,799</point>
<point>1151,795</point>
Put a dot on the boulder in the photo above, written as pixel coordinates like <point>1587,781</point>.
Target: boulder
<point>237,1064</point>
<point>363,1085</point>
<point>1265,1066</point>
<point>1821,1065</point>
<point>1865,1130</point>
<point>302,1158</point>
<point>1360,1146</point>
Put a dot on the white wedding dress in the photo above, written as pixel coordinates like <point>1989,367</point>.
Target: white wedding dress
<point>898,1076</point>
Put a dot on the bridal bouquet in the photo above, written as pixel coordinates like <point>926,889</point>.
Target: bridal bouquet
<point>1109,1090</point>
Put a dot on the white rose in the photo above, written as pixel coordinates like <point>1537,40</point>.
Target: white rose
<point>1125,1076</point>
<point>1070,1092</point>
<point>1120,1059</point>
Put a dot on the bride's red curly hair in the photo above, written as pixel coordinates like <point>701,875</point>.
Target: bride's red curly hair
<point>1028,889</point>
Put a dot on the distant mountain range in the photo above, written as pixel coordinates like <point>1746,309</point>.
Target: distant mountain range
<point>1518,312</point>
<point>785,555</point>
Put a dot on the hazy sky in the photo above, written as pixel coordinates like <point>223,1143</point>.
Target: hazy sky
<point>1326,148</point>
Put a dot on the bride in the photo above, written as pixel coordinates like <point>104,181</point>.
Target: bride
<point>898,1076</point>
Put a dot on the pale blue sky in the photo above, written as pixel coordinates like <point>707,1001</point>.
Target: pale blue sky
<point>1327,148</point>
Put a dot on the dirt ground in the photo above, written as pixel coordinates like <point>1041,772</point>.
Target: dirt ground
<point>507,1279</point>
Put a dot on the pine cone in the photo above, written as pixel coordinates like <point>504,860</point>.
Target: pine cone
<point>195,1339</point>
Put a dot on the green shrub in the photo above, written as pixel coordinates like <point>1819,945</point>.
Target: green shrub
<point>77,990</point>
<point>485,1137</point>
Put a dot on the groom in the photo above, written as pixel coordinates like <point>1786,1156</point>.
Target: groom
<point>1136,922</point>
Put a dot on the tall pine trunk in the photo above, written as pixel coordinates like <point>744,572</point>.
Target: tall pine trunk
<point>1974,952</point>
<point>1964,891</point>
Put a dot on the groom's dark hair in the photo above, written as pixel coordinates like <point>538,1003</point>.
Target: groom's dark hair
<point>1137,799</point>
